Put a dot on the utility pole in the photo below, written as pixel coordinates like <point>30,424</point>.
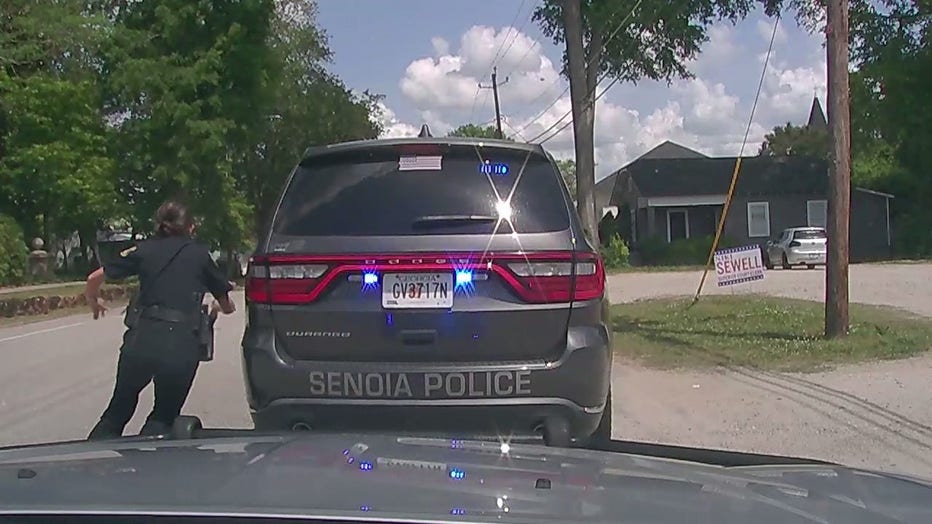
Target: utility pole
<point>583,83</point>
<point>839,194</point>
<point>494,87</point>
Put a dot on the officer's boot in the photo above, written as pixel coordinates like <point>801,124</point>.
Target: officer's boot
<point>105,429</point>
<point>153,428</point>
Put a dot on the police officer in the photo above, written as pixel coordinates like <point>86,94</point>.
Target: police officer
<point>161,343</point>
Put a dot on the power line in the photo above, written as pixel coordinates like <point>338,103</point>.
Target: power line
<point>511,26</point>
<point>475,97</point>
<point>588,64</point>
<point>570,121</point>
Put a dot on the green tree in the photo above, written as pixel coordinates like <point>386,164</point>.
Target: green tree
<point>790,140</point>
<point>474,131</point>
<point>310,107</point>
<point>654,39</point>
<point>568,170</point>
<point>189,83</point>
<point>55,166</point>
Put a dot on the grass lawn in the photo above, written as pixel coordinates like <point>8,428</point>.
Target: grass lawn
<point>760,332</point>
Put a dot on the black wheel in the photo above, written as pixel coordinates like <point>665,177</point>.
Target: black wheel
<point>185,427</point>
<point>557,432</point>
<point>810,266</point>
<point>785,262</point>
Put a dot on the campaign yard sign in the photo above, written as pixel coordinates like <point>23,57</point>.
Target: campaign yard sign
<point>738,265</point>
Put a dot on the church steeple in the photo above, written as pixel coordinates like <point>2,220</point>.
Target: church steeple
<point>817,116</point>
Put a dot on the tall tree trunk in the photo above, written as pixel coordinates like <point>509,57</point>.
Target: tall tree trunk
<point>583,119</point>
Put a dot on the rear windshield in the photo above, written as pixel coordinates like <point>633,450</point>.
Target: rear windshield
<point>809,234</point>
<point>364,193</point>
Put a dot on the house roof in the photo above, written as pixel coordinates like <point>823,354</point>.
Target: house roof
<point>669,149</point>
<point>605,188</point>
<point>712,176</point>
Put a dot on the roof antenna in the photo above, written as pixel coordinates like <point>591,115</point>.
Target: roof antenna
<point>425,132</point>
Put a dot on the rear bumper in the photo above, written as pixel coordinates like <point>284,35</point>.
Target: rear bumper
<point>796,258</point>
<point>470,398</point>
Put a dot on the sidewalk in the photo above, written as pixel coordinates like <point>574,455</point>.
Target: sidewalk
<point>37,287</point>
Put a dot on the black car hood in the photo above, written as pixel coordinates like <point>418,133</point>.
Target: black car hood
<point>430,480</point>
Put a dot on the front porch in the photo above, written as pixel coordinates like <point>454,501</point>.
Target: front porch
<point>676,218</point>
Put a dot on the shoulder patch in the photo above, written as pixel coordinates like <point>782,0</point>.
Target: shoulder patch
<point>125,253</point>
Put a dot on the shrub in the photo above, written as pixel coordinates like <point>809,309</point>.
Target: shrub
<point>684,252</point>
<point>13,253</point>
<point>615,253</point>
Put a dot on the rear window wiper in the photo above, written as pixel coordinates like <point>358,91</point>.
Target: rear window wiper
<point>447,220</point>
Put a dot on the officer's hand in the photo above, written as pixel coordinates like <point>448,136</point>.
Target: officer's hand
<point>98,308</point>
<point>214,309</point>
<point>232,284</point>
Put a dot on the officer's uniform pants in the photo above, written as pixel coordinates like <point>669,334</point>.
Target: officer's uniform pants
<point>154,351</point>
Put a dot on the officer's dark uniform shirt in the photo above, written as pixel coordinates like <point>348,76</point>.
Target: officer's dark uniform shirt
<point>179,286</point>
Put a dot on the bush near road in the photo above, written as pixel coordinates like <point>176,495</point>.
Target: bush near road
<point>760,332</point>
<point>13,254</point>
<point>64,298</point>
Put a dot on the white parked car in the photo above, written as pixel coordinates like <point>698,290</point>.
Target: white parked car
<point>797,246</point>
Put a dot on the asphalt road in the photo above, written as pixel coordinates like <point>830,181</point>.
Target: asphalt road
<point>57,377</point>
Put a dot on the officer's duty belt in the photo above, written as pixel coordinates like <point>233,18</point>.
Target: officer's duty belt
<point>167,315</point>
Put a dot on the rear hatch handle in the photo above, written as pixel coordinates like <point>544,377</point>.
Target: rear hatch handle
<point>444,220</point>
<point>418,337</point>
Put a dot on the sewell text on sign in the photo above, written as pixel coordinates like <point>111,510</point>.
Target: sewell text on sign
<point>738,265</point>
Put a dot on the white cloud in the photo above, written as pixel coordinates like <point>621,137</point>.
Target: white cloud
<point>391,126</point>
<point>765,30</point>
<point>720,50</point>
<point>450,82</point>
<point>698,113</point>
<point>787,92</point>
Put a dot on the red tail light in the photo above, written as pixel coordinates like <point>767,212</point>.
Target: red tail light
<point>534,277</point>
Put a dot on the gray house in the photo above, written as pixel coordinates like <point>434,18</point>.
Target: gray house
<point>681,198</point>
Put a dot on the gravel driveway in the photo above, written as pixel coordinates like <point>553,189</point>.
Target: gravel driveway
<point>875,415</point>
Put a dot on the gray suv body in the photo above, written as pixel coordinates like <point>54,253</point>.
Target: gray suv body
<point>432,285</point>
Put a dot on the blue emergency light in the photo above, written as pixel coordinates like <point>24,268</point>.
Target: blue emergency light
<point>493,168</point>
<point>463,277</point>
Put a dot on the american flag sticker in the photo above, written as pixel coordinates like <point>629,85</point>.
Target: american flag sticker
<point>420,163</point>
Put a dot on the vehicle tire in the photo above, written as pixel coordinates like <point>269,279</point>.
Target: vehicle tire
<point>810,266</point>
<point>767,263</point>
<point>185,427</point>
<point>557,432</point>
<point>785,262</point>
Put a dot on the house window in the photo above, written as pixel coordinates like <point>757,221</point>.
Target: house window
<point>758,219</point>
<point>817,213</point>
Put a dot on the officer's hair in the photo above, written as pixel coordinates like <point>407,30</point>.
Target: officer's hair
<point>172,219</point>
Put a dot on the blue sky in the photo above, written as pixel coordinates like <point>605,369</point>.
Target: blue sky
<point>426,57</point>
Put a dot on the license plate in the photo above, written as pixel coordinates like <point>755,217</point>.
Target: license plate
<point>417,290</point>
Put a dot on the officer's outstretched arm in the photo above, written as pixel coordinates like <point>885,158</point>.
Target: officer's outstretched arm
<point>92,292</point>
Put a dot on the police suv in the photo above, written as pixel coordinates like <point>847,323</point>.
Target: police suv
<point>431,285</point>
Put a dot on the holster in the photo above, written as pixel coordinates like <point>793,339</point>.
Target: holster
<point>205,334</point>
<point>133,312</point>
